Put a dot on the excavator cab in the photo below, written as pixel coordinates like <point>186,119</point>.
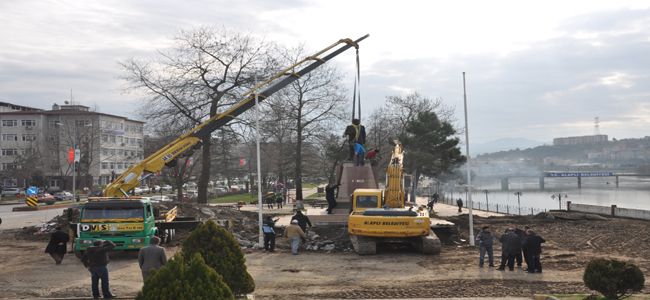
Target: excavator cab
<point>363,199</point>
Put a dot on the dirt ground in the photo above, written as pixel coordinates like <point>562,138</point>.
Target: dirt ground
<point>396,272</point>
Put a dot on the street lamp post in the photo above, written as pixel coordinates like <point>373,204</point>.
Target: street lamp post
<point>469,168</point>
<point>519,201</point>
<point>559,198</point>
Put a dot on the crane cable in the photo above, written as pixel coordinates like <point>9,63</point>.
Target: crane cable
<point>356,93</point>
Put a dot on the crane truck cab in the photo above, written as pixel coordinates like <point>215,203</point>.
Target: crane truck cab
<point>130,223</point>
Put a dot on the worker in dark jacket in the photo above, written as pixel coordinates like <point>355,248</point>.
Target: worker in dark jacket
<point>303,220</point>
<point>268,228</point>
<point>459,202</point>
<point>521,234</point>
<point>95,259</point>
<point>510,243</point>
<point>330,196</point>
<point>57,247</point>
<point>279,200</point>
<point>269,199</point>
<point>356,133</point>
<point>533,246</point>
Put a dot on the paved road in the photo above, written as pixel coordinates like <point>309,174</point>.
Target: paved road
<point>21,219</point>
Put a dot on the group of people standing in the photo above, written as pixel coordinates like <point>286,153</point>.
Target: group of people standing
<point>272,198</point>
<point>96,259</point>
<point>516,246</point>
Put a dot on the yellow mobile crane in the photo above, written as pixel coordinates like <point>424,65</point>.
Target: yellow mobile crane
<point>381,216</point>
<point>190,141</point>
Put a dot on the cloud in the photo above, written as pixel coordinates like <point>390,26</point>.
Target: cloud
<point>536,73</point>
<point>552,88</point>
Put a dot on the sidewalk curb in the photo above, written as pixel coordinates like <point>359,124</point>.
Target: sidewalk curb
<point>42,207</point>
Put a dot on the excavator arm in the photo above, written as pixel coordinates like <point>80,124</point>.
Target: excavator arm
<point>191,140</point>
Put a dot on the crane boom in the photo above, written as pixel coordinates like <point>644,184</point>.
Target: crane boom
<point>192,139</point>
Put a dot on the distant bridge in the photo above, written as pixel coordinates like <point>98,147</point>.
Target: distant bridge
<point>505,181</point>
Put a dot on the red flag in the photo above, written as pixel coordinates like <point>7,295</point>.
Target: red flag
<point>242,162</point>
<point>70,155</point>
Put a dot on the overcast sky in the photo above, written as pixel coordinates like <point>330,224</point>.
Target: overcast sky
<point>535,70</point>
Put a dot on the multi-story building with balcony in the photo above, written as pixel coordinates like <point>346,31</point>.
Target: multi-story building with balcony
<point>35,146</point>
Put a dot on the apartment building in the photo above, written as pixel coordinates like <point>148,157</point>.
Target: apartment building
<point>581,140</point>
<point>36,144</point>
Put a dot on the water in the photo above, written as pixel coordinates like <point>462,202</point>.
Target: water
<point>633,192</point>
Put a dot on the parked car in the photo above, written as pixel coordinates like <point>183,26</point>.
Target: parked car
<point>46,198</point>
<point>138,190</point>
<point>166,187</point>
<point>221,190</point>
<point>159,198</point>
<point>10,191</point>
<point>61,196</point>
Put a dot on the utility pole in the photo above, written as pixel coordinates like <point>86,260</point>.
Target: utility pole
<point>259,168</point>
<point>469,178</point>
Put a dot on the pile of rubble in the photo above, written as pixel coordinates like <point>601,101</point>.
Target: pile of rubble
<point>244,227</point>
<point>42,231</point>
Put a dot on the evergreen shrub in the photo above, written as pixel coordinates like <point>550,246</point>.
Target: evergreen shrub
<point>612,278</point>
<point>179,279</point>
<point>220,251</point>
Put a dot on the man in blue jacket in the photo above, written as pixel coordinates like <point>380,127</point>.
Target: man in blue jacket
<point>485,241</point>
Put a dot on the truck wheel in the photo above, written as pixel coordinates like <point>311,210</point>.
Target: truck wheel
<point>79,254</point>
<point>168,236</point>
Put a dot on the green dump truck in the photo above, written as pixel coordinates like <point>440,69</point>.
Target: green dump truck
<point>128,222</point>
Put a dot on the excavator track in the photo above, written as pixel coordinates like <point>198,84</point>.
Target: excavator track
<point>429,244</point>
<point>364,245</point>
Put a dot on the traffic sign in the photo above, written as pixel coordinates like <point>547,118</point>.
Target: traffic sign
<point>32,190</point>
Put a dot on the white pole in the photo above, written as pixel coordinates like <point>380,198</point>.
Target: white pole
<point>74,160</point>
<point>259,169</point>
<point>469,178</point>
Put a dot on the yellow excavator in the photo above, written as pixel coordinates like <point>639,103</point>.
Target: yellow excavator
<point>381,216</point>
<point>190,141</point>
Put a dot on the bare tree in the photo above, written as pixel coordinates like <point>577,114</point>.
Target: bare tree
<point>206,72</point>
<point>389,122</point>
<point>311,103</point>
<point>27,165</point>
<point>279,129</point>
